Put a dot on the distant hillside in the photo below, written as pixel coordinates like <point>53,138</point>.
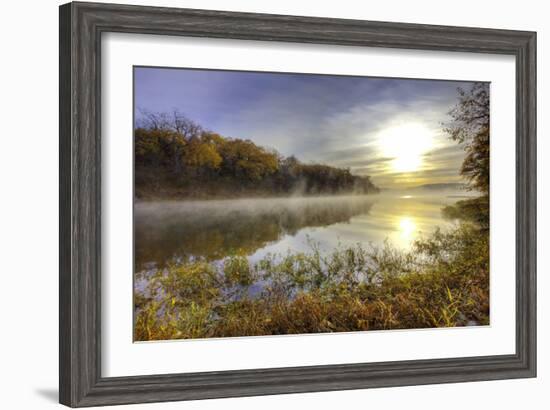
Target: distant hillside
<point>444,186</point>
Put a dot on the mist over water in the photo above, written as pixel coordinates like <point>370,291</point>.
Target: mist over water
<point>169,232</point>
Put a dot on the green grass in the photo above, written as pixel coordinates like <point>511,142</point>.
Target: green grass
<point>443,281</point>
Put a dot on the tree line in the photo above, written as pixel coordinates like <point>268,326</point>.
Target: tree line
<point>176,157</point>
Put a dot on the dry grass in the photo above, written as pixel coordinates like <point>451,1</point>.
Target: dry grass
<point>442,282</point>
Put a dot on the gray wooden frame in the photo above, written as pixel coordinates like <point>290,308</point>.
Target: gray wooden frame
<point>81,27</point>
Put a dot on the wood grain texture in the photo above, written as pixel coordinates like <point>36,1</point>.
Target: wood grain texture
<point>81,26</point>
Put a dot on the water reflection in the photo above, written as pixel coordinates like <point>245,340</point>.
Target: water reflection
<point>168,232</point>
<point>407,228</point>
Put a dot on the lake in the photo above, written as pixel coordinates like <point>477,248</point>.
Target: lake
<point>169,232</point>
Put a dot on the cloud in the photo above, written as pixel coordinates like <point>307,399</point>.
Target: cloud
<point>331,119</point>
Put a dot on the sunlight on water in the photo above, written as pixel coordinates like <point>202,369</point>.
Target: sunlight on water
<point>407,229</point>
<point>173,231</point>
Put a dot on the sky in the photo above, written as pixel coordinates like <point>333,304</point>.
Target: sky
<point>390,129</point>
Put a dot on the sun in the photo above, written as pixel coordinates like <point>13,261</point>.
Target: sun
<point>406,145</point>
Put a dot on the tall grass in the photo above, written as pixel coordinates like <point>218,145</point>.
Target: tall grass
<point>443,281</point>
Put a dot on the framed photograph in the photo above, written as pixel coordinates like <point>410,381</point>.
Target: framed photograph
<point>262,204</point>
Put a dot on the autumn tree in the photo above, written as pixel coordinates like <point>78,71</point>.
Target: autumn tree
<point>245,159</point>
<point>148,146</point>
<point>201,155</point>
<point>470,127</point>
<point>177,131</point>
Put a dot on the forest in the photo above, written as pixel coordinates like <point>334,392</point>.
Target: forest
<point>175,158</point>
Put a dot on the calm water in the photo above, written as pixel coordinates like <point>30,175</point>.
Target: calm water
<point>168,232</point>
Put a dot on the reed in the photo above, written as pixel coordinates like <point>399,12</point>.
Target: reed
<point>442,282</point>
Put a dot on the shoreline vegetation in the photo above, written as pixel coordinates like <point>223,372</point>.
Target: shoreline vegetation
<point>442,281</point>
<point>176,158</point>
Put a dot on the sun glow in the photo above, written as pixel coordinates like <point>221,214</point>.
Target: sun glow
<point>406,145</point>
<point>407,228</point>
